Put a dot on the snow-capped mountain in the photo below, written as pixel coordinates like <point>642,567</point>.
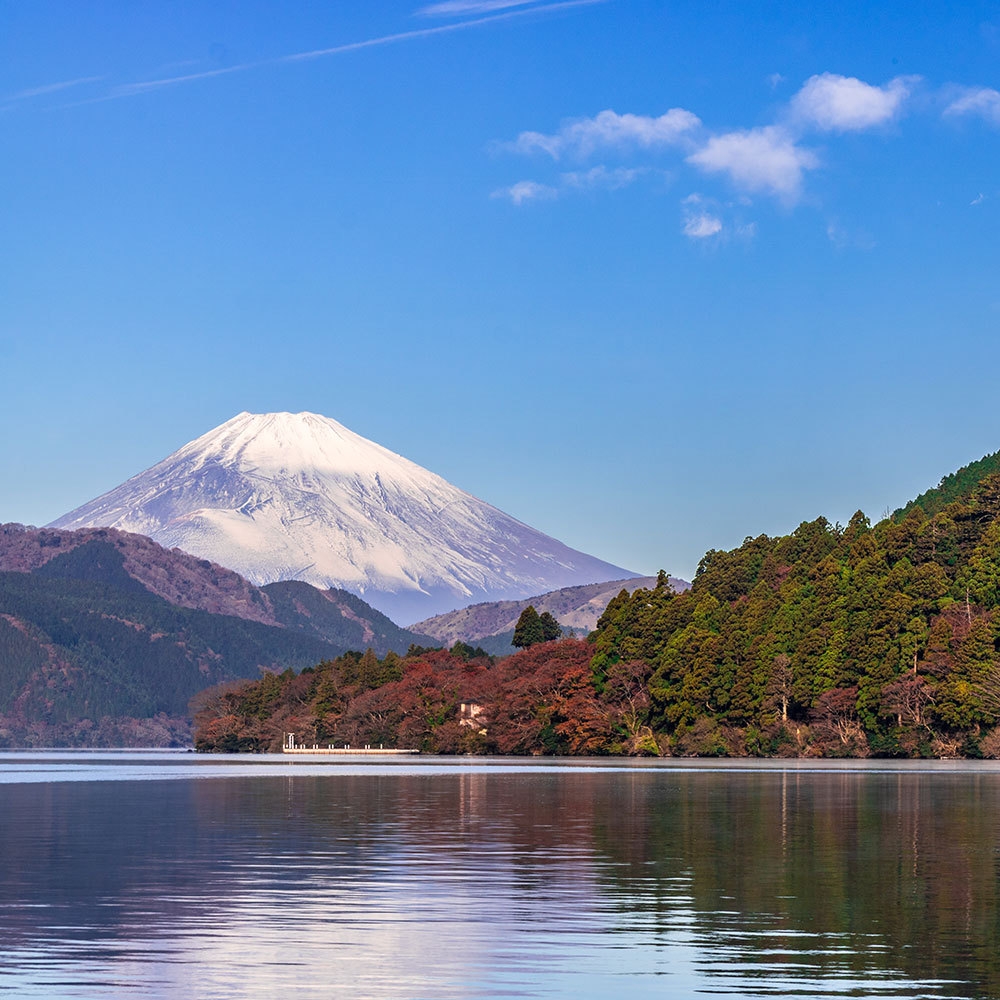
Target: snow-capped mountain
<point>298,496</point>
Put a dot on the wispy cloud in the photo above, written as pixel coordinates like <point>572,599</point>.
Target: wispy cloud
<point>144,86</point>
<point>524,191</point>
<point>463,8</point>
<point>52,88</point>
<point>599,178</point>
<point>609,130</point>
<point>834,103</point>
<point>603,178</point>
<point>843,238</point>
<point>501,14</point>
<point>983,102</point>
<point>704,218</point>
<point>761,159</point>
<point>702,225</point>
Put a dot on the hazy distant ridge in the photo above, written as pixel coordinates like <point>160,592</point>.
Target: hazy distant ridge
<point>577,608</point>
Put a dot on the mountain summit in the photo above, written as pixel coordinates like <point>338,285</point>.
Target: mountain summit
<point>298,496</point>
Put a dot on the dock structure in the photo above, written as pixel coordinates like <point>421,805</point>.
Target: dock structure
<point>290,746</point>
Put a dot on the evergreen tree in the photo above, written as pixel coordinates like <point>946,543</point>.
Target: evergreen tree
<point>529,629</point>
<point>550,627</point>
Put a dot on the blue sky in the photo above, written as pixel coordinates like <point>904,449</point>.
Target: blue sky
<point>651,277</point>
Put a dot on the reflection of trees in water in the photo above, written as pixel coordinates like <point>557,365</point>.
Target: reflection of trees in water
<point>905,863</point>
<point>838,871</point>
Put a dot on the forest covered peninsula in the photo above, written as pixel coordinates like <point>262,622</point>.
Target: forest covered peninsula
<point>832,641</point>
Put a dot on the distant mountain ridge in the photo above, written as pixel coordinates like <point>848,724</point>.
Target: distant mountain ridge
<point>105,636</point>
<point>284,496</point>
<point>575,608</point>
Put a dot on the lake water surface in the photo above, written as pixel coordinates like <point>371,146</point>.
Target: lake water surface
<point>175,876</point>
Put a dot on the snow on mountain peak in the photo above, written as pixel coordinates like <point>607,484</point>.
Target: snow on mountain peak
<point>278,442</point>
<point>279,496</point>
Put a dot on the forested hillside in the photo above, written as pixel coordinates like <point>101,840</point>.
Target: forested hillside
<point>834,640</point>
<point>539,701</point>
<point>956,486</point>
<point>91,656</point>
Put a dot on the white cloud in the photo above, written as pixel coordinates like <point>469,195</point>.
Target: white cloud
<point>602,177</point>
<point>524,191</point>
<point>703,218</point>
<point>979,199</point>
<point>760,159</point>
<point>610,130</point>
<point>835,103</point>
<point>775,79</point>
<point>702,225</point>
<point>981,101</point>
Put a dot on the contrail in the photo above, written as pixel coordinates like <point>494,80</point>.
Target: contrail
<point>132,89</point>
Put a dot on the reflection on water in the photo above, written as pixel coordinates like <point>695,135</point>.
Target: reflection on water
<point>237,879</point>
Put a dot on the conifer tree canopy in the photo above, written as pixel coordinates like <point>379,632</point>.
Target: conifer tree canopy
<point>550,627</point>
<point>529,629</point>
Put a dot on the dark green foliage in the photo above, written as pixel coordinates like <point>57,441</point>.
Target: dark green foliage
<point>322,613</point>
<point>533,627</point>
<point>83,640</point>
<point>90,642</point>
<point>550,627</point>
<point>842,641</point>
<point>467,652</point>
<point>529,629</point>
<point>22,655</point>
<point>632,627</point>
<point>956,486</point>
<point>497,645</point>
<point>95,562</point>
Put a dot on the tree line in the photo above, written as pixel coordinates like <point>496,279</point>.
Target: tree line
<point>833,640</point>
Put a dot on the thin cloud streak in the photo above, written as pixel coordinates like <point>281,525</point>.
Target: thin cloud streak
<point>133,89</point>
<point>459,8</point>
<point>51,88</point>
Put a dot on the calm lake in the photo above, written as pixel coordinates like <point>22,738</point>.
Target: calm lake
<point>169,875</point>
